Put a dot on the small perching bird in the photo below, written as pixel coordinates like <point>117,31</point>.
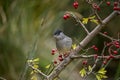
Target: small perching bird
<point>63,42</point>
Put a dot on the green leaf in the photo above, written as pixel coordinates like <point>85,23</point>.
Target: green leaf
<point>74,46</point>
<point>83,72</point>
<point>102,71</point>
<point>94,21</point>
<point>98,77</point>
<point>34,77</point>
<point>89,68</point>
<point>48,66</point>
<point>85,20</point>
<point>92,17</point>
<point>35,60</point>
<point>29,61</point>
<point>101,74</point>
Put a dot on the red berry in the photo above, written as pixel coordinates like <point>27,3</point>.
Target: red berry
<point>115,52</point>
<point>111,56</point>
<point>52,53</point>
<point>96,49</point>
<point>65,17</point>
<point>68,15</point>
<point>75,4</point>
<point>60,58</point>
<point>95,5</point>
<point>55,62</point>
<point>105,33</point>
<point>84,62</point>
<point>116,42</point>
<point>117,46</point>
<point>60,55</point>
<point>93,46</point>
<point>115,4</point>
<point>98,8</point>
<point>108,3</point>
<point>53,50</point>
<point>104,62</point>
<point>95,56</point>
<point>115,8</point>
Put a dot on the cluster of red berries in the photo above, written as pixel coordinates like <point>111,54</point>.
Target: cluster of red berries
<point>66,16</point>
<point>75,4</point>
<point>60,57</point>
<point>116,44</point>
<point>96,7</point>
<point>107,59</point>
<point>94,47</point>
<point>115,5</point>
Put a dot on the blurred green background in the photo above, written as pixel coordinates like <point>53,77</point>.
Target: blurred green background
<point>20,29</point>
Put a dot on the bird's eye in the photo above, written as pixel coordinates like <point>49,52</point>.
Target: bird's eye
<point>57,32</point>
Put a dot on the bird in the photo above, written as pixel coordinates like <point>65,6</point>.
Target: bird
<point>63,42</point>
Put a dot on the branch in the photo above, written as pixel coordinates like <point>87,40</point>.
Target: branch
<point>107,36</point>
<point>92,56</point>
<point>83,43</point>
<point>41,73</point>
<point>78,20</point>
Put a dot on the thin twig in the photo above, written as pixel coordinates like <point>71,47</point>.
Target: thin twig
<point>98,17</point>
<point>79,21</point>
<point>88,73</point>
<point>92,56</point>
<point>107,36</point>
<point>41,73</point>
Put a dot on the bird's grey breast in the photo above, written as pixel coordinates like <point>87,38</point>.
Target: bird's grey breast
<point>64,44</point>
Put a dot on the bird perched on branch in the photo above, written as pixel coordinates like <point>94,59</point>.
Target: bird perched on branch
<point>63,42</point>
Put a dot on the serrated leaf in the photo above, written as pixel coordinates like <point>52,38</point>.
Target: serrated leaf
<point>29,61</point>
<point>89,68</point>
<point>35,60</point>
<point>92,17</point>
<point>35,66</point>
<point>32,72</point>
<point>74,46</point>
<point>82,72</point>
<point>85,20</point>
<point>98,77</point>
<point>48,66</point>
<point>102,71</point>
<point>33,77</point>
<point>94,21</point>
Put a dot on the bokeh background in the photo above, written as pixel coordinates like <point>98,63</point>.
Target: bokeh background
<point>21,34</point>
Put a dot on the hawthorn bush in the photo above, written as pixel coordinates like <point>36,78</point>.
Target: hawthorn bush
<point>100,57</point>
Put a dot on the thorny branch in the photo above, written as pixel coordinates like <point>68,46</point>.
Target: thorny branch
<point>83,43</point>
<point>73,54</point>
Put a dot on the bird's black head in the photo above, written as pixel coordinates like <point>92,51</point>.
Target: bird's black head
<point>57,32</point>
